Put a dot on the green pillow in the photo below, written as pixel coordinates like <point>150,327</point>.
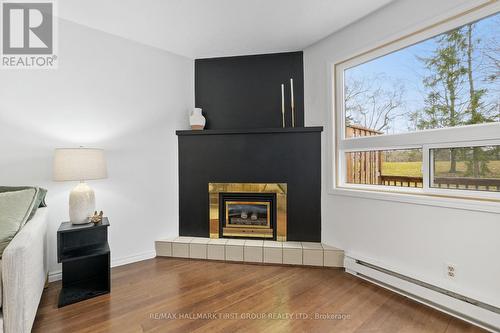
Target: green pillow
<point>15,209</point>
<point>40,196</point>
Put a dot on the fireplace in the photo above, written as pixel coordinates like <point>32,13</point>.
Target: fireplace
<point>248,210</point>
<point>247,215</point>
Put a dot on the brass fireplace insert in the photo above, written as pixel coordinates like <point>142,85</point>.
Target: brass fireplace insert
<point>257,224</point>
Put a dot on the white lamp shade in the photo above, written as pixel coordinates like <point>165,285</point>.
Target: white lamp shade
<point>79,164</point>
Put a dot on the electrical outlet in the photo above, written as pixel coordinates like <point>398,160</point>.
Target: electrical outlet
<point>450,271</point>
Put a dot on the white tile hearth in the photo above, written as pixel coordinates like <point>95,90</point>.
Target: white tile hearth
<point>273,244</point>
<point>198,248</point>
<point>163,248</point>
<point>216,249</point>
<point>183,239</point>
<point>253,250</point>
<point>232,241</point>
<point>273,252</point>
<point>256,251</point>
<point>292,253</point>
<point>180,250</point>
<point>332,257</point>
<point>254,242</point>
<point>234,249</point>
<point>312,254</point>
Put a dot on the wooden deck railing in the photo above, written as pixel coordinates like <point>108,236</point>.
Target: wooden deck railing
<point>483,184</point>
<point>403,181</point>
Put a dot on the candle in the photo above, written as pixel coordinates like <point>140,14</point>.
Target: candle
<point>292,102</point>
<point>283,104</point>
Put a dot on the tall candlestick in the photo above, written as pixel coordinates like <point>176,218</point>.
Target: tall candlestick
<point>292,102</point>
<point>283,104</point>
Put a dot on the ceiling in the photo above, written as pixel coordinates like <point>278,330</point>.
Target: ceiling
<point>212,28</point>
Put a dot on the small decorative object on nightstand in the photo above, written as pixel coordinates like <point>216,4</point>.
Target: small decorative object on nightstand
<point>96,218</point>
<point>84,253</point>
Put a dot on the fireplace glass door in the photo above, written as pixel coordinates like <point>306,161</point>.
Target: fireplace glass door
<point>248,216</point>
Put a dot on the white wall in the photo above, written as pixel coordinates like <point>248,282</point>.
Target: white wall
<point>111,93</point>
<point>416,239</point>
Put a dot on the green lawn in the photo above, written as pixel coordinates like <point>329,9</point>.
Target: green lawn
<point>409,169</point>
<point>414,169</point>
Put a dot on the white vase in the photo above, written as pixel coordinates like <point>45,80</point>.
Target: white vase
<point>196,120</point>
<point>81,204</point>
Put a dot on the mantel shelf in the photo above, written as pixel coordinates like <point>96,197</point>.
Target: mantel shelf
<point>251,131</point>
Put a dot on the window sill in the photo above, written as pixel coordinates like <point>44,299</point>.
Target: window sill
<point>419,199</point>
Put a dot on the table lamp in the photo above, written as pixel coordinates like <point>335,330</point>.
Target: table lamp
<point>80,164</point>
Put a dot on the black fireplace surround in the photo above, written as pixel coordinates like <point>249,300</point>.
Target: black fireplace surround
<point>291,156</point>
<point>246,144</point>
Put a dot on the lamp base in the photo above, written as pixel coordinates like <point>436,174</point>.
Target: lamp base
<point>81,204</point>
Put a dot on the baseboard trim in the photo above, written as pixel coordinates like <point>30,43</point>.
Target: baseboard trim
<point>57,275</point>
<point>133,258</point>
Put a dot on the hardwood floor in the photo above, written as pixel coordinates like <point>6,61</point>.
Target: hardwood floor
<point>148,295</point>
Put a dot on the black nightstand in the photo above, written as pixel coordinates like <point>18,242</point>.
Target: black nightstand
<point>84,253</point>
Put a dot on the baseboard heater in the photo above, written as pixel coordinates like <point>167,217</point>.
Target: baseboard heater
<point>471,310</point>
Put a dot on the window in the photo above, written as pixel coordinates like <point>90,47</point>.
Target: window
<point>401,168</point>
<point>423,114</point>
<point>466,168</point>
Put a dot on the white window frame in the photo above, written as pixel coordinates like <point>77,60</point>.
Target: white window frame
<point>468,136</point>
